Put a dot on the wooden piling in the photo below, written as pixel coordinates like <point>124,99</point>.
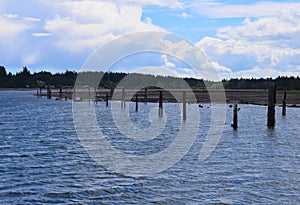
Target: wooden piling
<point>284,104</point>
<point>123,105</point>
<point>89,94</point>
<point>49,92</point>
<point>41,90</point>
<point>146,96</point>
<point>136,102</point>
<point>271,105</point>
<point>37,93</point>
<point>235,116</point>
<point>74,94</point>
<point>184,106</point>
<point>160,106</point>
<point>106,99</point>
<point>60,92</point>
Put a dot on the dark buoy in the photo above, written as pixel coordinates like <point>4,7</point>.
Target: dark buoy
<point>201,106</point>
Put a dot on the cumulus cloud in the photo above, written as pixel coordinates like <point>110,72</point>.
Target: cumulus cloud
<point>270,43</point>
<point>90,24</point>
<point>173,4</point>
<point>166,62</point>
<point>216,9</point>
<point>258,73</point>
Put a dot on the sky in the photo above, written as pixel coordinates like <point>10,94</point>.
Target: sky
<point>246,38</point>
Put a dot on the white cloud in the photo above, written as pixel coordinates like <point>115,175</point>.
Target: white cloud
<point>185,15</point>
<point>258,73</point>
<point>91,23</point>
<point>11,16</point>
<point>173,4</point>
<point>216,9</point>
<point>31,19</point>
<point>41,34</point>
<point>270,43</point>
<point>11,27</point>
<point>166,62</point>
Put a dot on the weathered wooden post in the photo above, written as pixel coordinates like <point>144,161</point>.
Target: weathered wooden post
<point>37,93</point>
<point>60,92</point>
<point>49,92</point>
<point>74,94</point>
<point>184,106</point>
<point>160,106</point>
<point>235,116</point>
<point>123,105</point>
<point>146,95</point>
<point>66,98</point>
<point>89,94</point>
<point>284,104</point>
<point>106,99</point>
<point>41,90</point>
<point>95,94</point>
<point>136,102</point>
<point>271,105</point>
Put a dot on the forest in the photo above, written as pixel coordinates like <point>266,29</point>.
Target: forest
<point>25,79</point>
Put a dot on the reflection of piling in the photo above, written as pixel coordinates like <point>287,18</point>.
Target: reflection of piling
<point>123,105</point>
<point>284,104</point>
<point>235,116</point>
<point>184,106</point>
<point>49,92</point>
<point>271,105</point>
<point>106,99</point>
<point>136,102</point>
<point>160,106</point>
<point>146,96</point>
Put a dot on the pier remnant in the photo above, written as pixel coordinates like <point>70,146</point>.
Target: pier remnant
<point>235,116</point>
<point>60,92</point>
<point>271,105</point>
<point>284,104</point>
<point>48,92</point>
<point>123,104</point>
<point>106,99</point>
<point>184,106</point>
<point>136,102</point>
<point>160,106</point>
<point>146,96</point>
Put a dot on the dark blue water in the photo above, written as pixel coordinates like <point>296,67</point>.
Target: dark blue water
<point>42,160</point>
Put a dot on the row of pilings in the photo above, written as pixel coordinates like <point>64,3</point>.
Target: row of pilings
<point>106,95</point>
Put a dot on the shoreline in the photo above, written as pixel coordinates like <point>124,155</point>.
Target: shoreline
<point>241,96</point>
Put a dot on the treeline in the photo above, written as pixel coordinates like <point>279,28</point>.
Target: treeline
<point>25,79</point>
<point>282,83</point>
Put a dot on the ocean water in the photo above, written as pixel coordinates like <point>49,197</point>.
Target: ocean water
<point>42,160</point>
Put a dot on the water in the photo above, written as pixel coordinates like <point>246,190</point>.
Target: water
<point>42,160</point>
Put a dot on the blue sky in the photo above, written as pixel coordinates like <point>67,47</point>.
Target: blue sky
<point>242,38</point>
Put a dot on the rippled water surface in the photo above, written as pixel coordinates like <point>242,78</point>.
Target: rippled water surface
<point>42,160</point>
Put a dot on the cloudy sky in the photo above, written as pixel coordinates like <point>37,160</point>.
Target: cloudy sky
<point>246,38</point>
